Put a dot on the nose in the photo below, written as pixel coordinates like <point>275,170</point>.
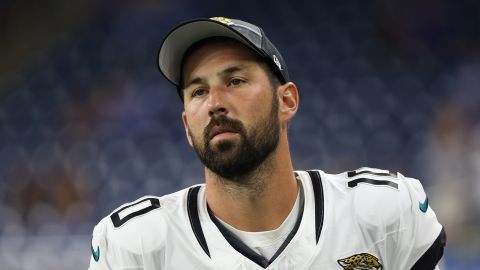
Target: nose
<point>216,103</point>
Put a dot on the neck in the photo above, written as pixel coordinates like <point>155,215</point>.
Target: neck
<point>259,200</point>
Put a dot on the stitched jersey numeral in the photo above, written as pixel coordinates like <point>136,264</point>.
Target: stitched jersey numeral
<point>130,211</point>
<point>372,176</point>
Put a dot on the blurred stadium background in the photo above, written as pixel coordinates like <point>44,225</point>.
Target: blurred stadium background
<point>88,123</point>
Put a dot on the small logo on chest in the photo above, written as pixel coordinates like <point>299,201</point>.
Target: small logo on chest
<point>362,261</point>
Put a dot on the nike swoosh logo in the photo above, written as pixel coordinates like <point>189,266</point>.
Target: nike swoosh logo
<point>96,254</point>
<point>423,206</point>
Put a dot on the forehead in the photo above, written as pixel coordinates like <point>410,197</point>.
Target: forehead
<point>204,53</point>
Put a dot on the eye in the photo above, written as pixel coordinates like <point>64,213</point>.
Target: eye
<point>199,92</point>
<point>236,82</point>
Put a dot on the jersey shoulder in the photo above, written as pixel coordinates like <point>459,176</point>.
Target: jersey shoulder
<point>377,196</point>
<point>141,224</point>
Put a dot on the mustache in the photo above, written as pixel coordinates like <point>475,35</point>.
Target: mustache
<point>224,122</point>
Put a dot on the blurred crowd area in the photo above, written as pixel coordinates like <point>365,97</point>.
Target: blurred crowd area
<point>87,122</point>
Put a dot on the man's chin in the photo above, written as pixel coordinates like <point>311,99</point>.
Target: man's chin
<point>223,146</point>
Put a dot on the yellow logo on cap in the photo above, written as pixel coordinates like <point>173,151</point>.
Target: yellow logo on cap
<point>223,20</point>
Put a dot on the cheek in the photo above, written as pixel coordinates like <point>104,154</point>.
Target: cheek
<point>194,125</point>
<point>256,96</point>
<point>260,104</point>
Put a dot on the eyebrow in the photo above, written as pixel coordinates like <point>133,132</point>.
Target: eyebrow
<point>222,73</point>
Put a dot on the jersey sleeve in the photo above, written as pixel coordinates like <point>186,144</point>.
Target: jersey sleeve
<point>106,255</point>
<point>421,238</point>
<point>132,237</point>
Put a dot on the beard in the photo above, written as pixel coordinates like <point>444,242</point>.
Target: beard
<point>231,159</point>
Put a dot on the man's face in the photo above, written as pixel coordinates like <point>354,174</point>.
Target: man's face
<point>231,110</point>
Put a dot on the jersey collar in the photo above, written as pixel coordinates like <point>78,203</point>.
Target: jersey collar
<point>308,225</point>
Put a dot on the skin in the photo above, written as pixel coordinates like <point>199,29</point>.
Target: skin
<point>261,199</point>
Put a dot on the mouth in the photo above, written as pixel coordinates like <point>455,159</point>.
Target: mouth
<point>221,132</point>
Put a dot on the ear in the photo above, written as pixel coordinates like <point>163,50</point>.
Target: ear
<point>185,126</point>
<point>288,101</point>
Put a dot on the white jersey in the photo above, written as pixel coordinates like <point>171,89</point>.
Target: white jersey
<point>363,219</point>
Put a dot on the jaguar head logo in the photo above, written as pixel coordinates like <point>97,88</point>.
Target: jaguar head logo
<point>362,261</point>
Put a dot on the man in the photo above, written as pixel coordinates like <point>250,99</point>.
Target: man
<point>254,211</point>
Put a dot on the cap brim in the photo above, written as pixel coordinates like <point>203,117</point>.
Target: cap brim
<point>177,42</point>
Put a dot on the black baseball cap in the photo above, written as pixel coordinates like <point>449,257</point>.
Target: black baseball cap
<point>183,36</point>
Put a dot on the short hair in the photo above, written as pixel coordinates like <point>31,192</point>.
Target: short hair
<point>273,78</point>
